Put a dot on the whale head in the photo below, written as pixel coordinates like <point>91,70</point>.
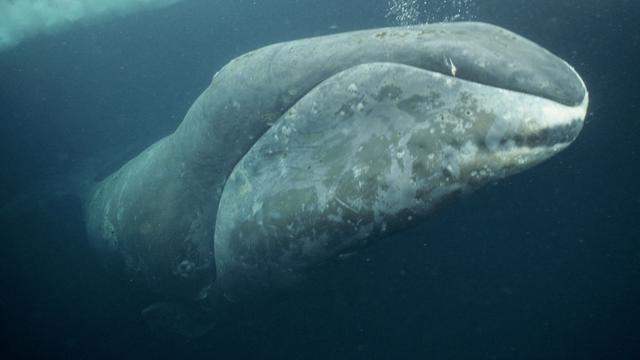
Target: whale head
<point>400,122</point>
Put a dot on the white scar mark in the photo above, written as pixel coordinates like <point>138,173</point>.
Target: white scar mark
<point>344,204</point>
<point>452,67</point>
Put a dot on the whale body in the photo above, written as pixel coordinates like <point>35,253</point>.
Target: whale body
<point>300,152</point>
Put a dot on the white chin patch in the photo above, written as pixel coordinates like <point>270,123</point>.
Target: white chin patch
<point>529,116</point>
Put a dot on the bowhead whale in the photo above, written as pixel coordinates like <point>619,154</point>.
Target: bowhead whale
<point>302,151</point>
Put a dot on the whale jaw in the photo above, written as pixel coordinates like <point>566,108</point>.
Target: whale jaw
<point>367,153</point>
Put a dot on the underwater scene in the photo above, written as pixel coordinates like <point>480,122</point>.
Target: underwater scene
<point>319,179</point>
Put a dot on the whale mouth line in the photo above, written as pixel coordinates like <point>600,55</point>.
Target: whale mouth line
<point>460,75</point>
<point>546,137</point>
<point>562,129</point>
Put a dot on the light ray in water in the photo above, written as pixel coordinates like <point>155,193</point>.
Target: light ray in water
<point>22,19</point>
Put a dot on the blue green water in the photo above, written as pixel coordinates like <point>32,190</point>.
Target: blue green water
<point>543,265</point>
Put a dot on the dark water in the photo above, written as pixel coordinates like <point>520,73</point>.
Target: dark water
<point>544,265</point>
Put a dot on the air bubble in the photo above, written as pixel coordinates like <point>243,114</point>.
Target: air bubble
<point>411,12</point>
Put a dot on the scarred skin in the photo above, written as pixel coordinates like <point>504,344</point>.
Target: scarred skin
<point>301,151</point>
